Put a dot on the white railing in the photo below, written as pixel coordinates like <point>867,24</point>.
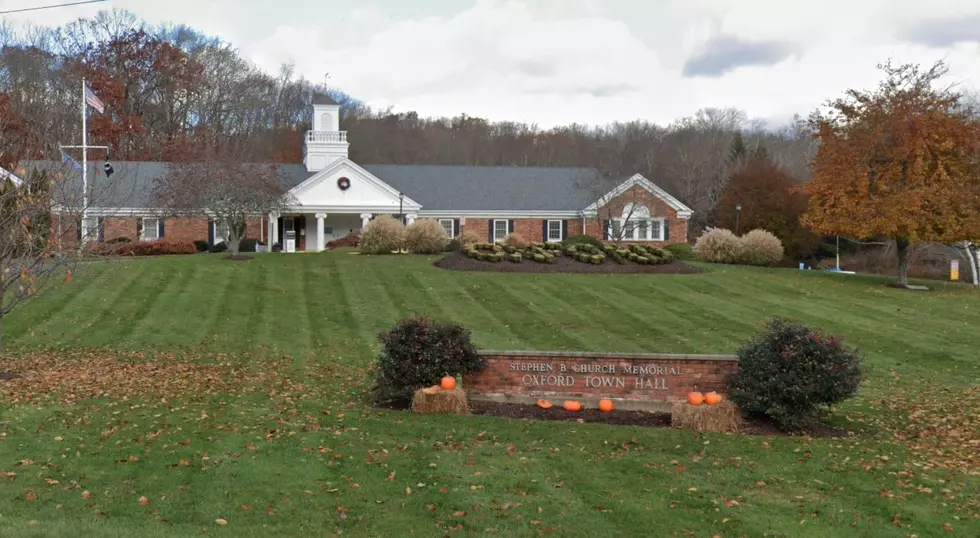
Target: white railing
<point>326,136</point>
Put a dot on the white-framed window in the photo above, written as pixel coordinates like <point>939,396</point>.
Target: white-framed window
<point>447,224</point>
<point>221,231</point>
<point>91,229</point>
<point>501,228</point>
<point>636,224</point>
<point>151,229</point>
<point>554,231</point>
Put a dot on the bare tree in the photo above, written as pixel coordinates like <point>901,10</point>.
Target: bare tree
<point>223,187</point>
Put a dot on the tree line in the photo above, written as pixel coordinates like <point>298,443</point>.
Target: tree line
<point>168,88</point>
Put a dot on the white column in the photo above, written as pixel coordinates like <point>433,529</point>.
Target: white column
<point>319,231</point>
<point>410,219</point>
<point>365,218</point>
<point>273,230</point>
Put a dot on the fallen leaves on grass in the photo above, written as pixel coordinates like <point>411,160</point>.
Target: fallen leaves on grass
<point>76,375</point>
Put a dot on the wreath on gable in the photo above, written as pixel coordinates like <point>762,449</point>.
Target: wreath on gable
<point>343,183</point>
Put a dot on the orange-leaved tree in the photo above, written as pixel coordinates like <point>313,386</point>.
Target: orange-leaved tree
<point>900,162</point>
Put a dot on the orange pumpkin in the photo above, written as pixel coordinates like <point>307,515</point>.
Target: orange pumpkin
<point>544,404</point>
<point>572,405</point>
<point>606,406</point>
<point>695,398</point>
<point>712,398</point>
<point>448,382</point>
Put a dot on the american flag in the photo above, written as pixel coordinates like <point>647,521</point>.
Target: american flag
<point>93,101</point>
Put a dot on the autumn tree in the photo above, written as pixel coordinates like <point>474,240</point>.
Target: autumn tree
<point>223,186</point>
<point>770,199</point>
<point>900,162</point>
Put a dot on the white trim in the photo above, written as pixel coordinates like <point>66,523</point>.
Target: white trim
<point>491,213</point>
<point>407,204</point>
<point>547,230</point>
<point>622,222</point>
<point>683,212</point>
<point>506,223</point>
<point>452,227</point>
<point>7,174</point>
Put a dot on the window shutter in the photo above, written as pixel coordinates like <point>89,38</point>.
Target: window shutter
<point>564,230</point>
<point>101,225</point>
<point>78,230</point>
<point>605,230</point>
<point>510,226</point>
<point>210,232</point>
<point>491,230</point>
<point>139,229</point>
<point>666,230</point>
<point>455,228</point>
<point>280,233</point>
<point>161,229</point>
<point>544,233</point>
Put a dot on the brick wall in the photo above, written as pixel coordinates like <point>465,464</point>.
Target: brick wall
<point>636,381</point>
<point>184,228</point>
<point>528,229</point>
<point>657,207</point>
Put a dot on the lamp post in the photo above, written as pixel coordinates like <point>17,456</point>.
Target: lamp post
<point>401,203</point>
<point>738,212</point>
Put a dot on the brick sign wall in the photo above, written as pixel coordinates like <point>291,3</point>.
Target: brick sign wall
<point>634,381</point>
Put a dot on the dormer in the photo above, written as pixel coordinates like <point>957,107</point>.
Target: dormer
<point>325,143</point>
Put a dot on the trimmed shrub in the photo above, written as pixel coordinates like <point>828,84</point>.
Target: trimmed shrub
<point>426,236</point>
<point>515,257</point>
<point>470,237</point>
<point>556,247</point>
<point>632,256</point>
<point>539,258</point>
<point>643,260</point>
<point>549,258</point>
<point>202,245</point>
<point>416,353</point>
<point>383,235</point>
<point>760,247</point>
<point>124,239</point>
<point>218,248</point>
<point>681,251</point>
<point>514,240</point>
<point>496,257</point>
<point>790,373</point>
<point>453,245</point>
<point>349,240</point>
<point>718,245</point>
<point>576,240</point>
<point>160,247</point>
<point>248,245</point>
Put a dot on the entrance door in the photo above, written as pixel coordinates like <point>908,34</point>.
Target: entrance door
<point>289,234</point>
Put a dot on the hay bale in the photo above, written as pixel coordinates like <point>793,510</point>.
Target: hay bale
<point>437,400</point>
<point>720,418</point>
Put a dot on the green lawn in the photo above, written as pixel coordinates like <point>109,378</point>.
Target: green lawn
<point>246,402</point>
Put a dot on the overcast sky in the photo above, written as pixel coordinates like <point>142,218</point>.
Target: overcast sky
<point>588,61</point>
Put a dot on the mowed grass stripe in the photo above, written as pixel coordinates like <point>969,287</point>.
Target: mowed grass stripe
<point>172,298</point>
<point>96,320</point>
<point>53,303</point>
<point>367,307</point>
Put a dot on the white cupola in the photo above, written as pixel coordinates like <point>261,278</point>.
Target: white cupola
<point>325,143</point>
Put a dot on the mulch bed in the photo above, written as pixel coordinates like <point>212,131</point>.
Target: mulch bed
<point>457,261</point>
<point>750,426</point>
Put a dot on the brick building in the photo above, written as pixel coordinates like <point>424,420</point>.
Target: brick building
<point>334,196</point>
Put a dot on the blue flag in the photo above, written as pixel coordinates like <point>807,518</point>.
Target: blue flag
<point>65,158</point>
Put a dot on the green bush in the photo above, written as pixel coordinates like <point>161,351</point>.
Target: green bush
<point>576,240</point>
<point>681,251</point>
<point>248,244</point>
<point>548,258</point>
<point>515,257</point>
<point>202,245</point>
<point>572,250</point>
<point>539,258</point>
<point>633,257</point>
<point>553,246</point>
<point>123,239</point>
<point>453,245</point>
<point>416,353</point>
<point>473,253</point>
<point>597,259</point>
<point>496,257</point>
<point>642,260</point>
<point>218,248</point>
<point>790,373</point>
<point>383,235</point>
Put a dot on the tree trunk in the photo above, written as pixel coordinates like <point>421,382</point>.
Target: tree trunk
<point>234,238</point>
<point>902,248</point>
<point>973,263</point>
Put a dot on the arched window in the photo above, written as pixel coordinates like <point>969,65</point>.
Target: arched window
<point>636,224</point>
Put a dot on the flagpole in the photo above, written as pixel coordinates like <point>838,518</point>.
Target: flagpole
<point>84,223</point>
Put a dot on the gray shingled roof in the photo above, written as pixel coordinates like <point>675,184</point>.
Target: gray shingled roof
<point>323,99</point>
<point>436,187</point>
<point>509,188</point>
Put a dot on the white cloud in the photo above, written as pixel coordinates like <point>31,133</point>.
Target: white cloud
<point>562,61</point>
